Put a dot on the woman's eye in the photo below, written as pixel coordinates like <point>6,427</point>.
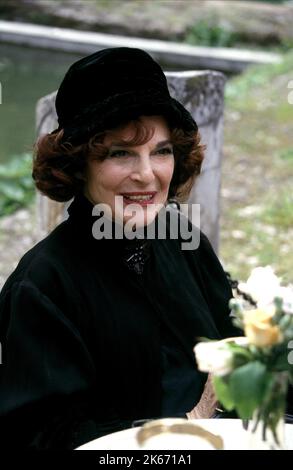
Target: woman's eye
<point>118,153</point>
<point>165,150</point>
<point>124,153</point>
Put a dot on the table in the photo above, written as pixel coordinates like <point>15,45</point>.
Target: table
<point>230,430</point>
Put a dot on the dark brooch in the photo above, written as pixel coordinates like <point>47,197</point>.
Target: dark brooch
<point>136,253</point>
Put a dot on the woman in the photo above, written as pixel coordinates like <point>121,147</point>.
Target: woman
<point>99,332</point>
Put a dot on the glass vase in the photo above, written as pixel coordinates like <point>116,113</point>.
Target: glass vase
<point>261,438</point>
<point>266,430</point>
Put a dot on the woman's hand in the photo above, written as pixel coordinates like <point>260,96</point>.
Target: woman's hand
<point>207,404</point>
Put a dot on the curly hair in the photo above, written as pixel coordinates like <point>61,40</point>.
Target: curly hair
<point>59,167</point>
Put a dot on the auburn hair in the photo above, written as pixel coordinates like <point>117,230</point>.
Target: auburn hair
<point>59,167</point>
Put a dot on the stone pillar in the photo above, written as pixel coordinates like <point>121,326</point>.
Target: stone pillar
<point>202,93</point>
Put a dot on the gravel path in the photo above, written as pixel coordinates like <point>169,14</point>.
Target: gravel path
<point>16,237</point>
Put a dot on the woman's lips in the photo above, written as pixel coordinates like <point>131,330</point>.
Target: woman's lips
<point>144,201</point>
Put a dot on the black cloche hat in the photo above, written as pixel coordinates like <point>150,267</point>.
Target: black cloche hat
<point>113,86</point>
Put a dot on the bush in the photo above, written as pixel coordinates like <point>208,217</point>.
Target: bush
<point>16,184</point>
<point>210,35</point>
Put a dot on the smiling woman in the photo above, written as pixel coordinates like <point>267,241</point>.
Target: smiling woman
<point>99,333</point>
<point>140,171</point>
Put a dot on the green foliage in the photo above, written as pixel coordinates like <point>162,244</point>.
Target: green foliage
<point>223,392</point>
<point>287,154</point>
<point>258,162</point>
<point>244,389</point>
<point>206,34</point>
<point>279,211</point>
<point>247,385</point>
<point>286,44</point>
<point>245,90</point>
<point>16,184</point>
<point>270,1</point>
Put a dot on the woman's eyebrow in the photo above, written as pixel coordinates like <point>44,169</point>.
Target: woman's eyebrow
<point>163,142</point>
<point>125,144</point>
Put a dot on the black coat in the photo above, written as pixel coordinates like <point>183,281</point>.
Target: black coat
<point>81,334</point>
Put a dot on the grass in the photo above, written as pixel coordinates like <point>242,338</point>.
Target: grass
<point>205,33</point>
<point>278,212</point>
<point>257,201</point>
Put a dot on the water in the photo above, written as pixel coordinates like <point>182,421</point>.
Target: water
<point>26,75</point>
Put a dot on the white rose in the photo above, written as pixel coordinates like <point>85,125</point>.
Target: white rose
<point>213,357</point>
<point>286,294</point>
<point>239,340</point>
<point>262,285</point>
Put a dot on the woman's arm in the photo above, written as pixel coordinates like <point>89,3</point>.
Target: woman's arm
<point>207,405</point>
<point>50,396</point>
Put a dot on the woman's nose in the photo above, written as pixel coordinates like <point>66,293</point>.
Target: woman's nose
<point>143,170</point>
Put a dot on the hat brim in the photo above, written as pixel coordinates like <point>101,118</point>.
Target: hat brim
<point>122,108</point>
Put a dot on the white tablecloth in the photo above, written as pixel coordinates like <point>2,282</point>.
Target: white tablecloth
<point>231,430</point>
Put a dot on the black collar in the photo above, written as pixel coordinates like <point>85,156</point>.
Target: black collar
<point>134,253</point>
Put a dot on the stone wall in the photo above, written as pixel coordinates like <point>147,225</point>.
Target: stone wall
<point>202,93</point>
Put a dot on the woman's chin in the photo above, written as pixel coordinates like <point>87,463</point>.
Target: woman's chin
<point>131,224</point>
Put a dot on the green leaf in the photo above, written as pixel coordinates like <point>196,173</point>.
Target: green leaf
<point>247,387</point>
<point>223,393</point>
<point>19,166</point>
<point>16,184</point>
<point>280,361</point>
<point>11,191</point>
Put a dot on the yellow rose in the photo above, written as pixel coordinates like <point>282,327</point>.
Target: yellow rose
<point>259,328</point>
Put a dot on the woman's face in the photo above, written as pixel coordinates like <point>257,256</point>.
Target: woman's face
<point>140,174</point>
